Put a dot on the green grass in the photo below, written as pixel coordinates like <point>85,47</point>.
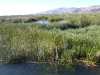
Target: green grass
<point>23,42</point>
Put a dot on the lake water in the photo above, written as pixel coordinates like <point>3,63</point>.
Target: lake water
<point>43,22</point>
<point>46,69</point>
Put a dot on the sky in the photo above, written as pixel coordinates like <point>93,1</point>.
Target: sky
<point>24,7</point>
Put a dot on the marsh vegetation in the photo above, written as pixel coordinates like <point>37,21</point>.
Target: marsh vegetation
<point>22,39</point>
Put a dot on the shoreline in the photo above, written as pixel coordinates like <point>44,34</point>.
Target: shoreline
<point>81,62</point>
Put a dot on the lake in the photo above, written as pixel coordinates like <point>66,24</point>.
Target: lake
<point>46,69</point>
<point>43,22</point>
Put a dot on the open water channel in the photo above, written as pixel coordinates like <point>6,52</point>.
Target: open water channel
<point>46,69</point>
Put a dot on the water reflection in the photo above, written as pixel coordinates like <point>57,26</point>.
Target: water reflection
<point>46,69</point>
<point>43,22</point>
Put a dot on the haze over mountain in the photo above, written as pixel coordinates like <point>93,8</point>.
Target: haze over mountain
<point>95,8</point>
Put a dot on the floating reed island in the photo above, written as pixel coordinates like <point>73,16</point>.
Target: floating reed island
<point>65,39</point>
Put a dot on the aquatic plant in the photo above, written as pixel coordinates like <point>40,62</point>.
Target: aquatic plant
<point>77,39</point>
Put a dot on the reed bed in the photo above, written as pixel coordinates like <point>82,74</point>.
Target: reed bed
<point>31,41</point>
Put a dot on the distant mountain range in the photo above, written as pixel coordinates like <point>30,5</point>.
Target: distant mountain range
<point>95,8</point>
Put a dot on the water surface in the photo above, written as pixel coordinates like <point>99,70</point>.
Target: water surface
<point>46,69</point>
<point>43,22</point>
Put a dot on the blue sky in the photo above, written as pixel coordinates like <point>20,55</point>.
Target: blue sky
<point>21,7</point>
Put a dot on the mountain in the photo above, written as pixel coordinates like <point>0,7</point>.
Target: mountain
<point>95,8</point>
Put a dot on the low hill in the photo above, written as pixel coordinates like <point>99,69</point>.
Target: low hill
<point>95,8</point>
